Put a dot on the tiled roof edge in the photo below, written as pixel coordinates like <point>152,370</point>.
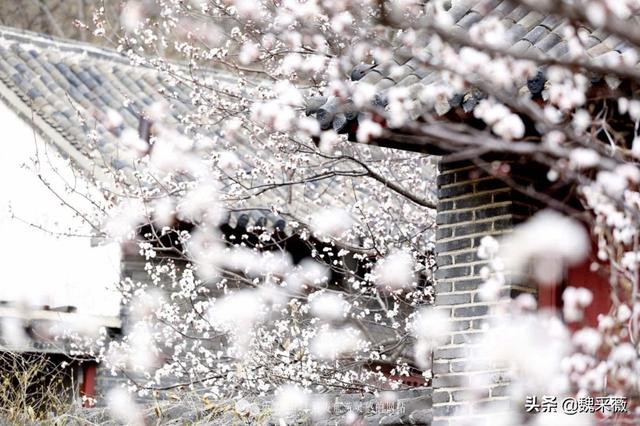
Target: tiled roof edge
<point>66,45</point>
<point>48,133</point>
<point>80,47</point>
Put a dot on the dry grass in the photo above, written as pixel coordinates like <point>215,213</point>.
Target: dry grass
<point>34,388</point>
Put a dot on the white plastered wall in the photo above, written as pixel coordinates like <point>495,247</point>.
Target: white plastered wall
<point>40,263</point>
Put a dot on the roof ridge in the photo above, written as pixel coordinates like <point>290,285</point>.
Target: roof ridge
<point>45,40</point>
<point>42,40</point>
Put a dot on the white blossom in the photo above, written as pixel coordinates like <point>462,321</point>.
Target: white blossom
<point>332,343</point>
<point>489,247</point>
<point>123,408</point>
<point>588,339</point>
<point>328,306</point>
<point>131,141</point>
<point>533,346</point>
<point>548,241</point>
<point>624,353</point>
<point>290,398</point>
<point>113,119</point>
<point>581,120</point>
<point>331,222</point>
<point>395,271</point>
<point>368,130</point>
<point>249,53</point>
<point>624,313</point>
<point>584,158</point>
<point>612,183</point>
<point>490,31</point>
<point>430,323</point>
<point>502,121</point>
<point>237,311</point>
<point>575,300</point>
<point>510,127</point>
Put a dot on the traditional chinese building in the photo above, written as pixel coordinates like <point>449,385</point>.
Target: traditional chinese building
<point>63,91</point>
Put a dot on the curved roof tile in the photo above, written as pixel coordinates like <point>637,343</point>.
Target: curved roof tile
<point>527,32</point>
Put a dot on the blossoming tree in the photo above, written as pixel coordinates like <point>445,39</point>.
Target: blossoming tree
<point>290,95</point>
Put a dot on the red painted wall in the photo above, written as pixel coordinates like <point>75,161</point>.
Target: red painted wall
<point>582,276</point>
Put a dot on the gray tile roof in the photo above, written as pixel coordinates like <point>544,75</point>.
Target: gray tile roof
<point>528,34</point>
<point>65,89</point>
<point>70,86</point>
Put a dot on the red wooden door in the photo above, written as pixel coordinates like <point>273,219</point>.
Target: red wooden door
<point>550,296</point>
<point>582,276</point>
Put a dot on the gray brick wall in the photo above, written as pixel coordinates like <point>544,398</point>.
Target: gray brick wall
<point>471,205</point>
